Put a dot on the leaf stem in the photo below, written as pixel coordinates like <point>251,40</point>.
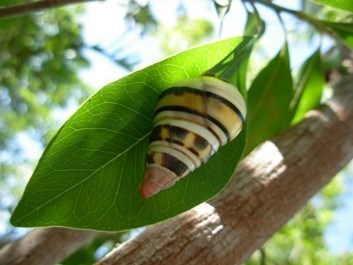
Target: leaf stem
<point>300,15</point>
<point>24,9</point>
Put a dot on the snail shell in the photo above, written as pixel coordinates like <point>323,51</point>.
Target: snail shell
<point>192,120</point>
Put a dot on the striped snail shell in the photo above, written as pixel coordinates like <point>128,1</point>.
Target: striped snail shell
<point>192,120</point>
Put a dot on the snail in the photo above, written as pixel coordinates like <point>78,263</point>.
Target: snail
<point>193,118</point>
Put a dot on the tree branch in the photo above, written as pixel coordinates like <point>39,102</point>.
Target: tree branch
<point>269,187</point>
<point>6,12</point>
<point>45,246</point>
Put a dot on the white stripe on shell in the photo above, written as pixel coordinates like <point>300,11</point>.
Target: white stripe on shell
<point>173,152</point>
<point>194,128</point>
<point>192,157</point>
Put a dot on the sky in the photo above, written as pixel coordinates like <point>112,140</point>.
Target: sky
<point>339,235</point>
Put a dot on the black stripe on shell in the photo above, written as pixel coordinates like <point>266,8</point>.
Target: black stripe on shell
<point>173,164</point>
<point>181,90</point>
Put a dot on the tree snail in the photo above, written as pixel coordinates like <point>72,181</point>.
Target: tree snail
<point>192,120</point>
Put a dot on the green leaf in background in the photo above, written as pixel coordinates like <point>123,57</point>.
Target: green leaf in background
<point>343,31</point>
<point>310,87</point>
<point>90,174</point>
<point>269,98</point>
<point>237,75</point>
<point>254,25</point>
<point>346,5</point>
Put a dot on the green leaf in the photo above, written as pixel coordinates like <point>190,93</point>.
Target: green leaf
<point>343,31</point>
<point>346,5</point>
<point>310,87</point>
<point>269,98</point>
<point>90,174</point>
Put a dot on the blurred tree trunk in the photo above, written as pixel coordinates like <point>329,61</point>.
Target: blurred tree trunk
<point>269,186</point>
<point>44,246</point>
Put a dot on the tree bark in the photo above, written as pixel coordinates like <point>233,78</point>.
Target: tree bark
<point>44,246</point>
<point>268,188</point>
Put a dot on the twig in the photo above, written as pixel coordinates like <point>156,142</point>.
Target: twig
<point>19,10</point>
<point>319,25</point>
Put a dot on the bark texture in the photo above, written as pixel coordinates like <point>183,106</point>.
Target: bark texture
<point>44,246</point>
<point>268,188</point>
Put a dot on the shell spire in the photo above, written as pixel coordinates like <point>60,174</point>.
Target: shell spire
<point>192,120</point>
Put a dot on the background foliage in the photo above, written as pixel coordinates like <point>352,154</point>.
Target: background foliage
<point>41,56</point>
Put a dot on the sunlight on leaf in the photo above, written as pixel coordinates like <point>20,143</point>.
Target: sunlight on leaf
<point>268,100</point>
<point>310,87</point>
